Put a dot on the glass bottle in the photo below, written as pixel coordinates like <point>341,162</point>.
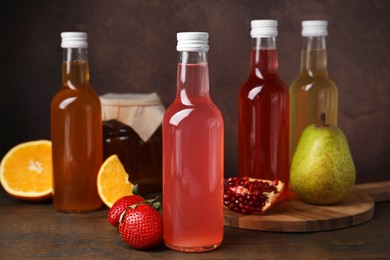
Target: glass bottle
<point>193,150</point>
<point>312,92</point>
<point>263,111</point>
<point>76,131</point>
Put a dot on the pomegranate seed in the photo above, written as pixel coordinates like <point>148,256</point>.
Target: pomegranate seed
<point>248,196</point>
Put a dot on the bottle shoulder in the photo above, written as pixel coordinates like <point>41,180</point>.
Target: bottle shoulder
<point>313,82</point>
<point>202,105</point>
<point>266,85</point>
<point>77,96</point>
<point>198,111</point>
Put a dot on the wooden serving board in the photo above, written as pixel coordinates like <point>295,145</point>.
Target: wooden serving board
<point>293,215</point>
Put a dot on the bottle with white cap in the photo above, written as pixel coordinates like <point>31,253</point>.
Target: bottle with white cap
<point>193,151</point>
<point>312,92</point>
<point>263,111</point>
<point>76,131</point>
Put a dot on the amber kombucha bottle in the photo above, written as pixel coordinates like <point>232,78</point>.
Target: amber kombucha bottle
<point>76,131</point>
<point>312,92</point>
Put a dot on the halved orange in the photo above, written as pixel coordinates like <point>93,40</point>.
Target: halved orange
<point>112,181</point>
<point>26,171</point>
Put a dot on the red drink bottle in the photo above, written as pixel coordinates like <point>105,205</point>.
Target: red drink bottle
<point>263,111</point>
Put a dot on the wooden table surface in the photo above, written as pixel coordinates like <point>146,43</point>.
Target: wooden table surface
<point>36,230</point>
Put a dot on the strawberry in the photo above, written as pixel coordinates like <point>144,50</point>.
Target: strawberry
<point>141,226</point>
<point>120,205</point>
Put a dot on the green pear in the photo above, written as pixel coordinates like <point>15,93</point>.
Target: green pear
<point>322,169</point>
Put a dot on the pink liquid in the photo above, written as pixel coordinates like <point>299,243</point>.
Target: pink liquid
<point>193,165</point>
<point>264,121</point>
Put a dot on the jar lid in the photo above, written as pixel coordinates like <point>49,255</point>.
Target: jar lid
<point>264,28</point>
<point>130,99</point>
<point>142,112</point>
<point>312,28</point>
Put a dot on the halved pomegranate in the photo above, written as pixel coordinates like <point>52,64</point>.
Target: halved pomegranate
<point>251,196</point>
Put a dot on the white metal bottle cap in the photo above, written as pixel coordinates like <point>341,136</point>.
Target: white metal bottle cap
<point>74,40</point>
<point>192,41</point>
<point>314,28</point>
<point>264,28</point>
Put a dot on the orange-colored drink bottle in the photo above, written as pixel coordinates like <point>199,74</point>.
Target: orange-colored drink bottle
<point>76,131</point>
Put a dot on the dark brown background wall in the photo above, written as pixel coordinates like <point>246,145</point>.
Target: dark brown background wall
<point>133,49</point>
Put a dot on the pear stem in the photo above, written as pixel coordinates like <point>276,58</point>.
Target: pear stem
<point>323,119</point>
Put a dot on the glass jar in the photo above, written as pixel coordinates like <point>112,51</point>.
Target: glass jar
<point>132,131</point>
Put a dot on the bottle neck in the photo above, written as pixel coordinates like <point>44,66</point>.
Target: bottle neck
<point>313,56</point>
<point>75,68</point>
<point>192,76</point>
<point>264,57</point>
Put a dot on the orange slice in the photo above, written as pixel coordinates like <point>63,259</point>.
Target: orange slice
<point>26,171</point>
<point>112,181</point>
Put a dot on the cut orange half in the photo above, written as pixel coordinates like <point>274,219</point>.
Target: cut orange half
<point>26,171</point>
<point>112,181</point>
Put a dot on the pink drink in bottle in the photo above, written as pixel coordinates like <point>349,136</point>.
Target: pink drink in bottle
<point>193,150</point>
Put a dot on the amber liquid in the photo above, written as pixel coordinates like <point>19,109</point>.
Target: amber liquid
<point>142,160</point>
<point>76,134</point>
<point>264,121</point>
<point>311,94</point>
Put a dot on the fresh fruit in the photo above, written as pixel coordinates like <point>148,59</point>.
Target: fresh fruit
<point>26,171</point>
<point>251,196</point>
<point>121,205</point>
<point>322,169</point>
<point>141,225</point>
<point>113,181</point>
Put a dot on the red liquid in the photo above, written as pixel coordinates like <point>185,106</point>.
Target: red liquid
<point>193,165</point>
<point>264,121</point>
